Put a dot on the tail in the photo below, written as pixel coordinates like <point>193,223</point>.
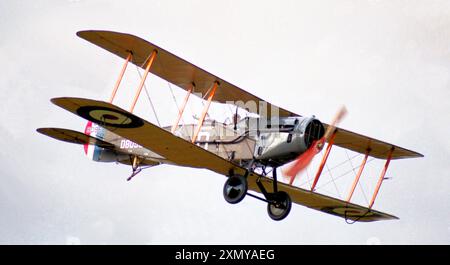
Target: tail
<point>94,152</point>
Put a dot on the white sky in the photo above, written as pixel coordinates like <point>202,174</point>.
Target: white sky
<point>387,61</point>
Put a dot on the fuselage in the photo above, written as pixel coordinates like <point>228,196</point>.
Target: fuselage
<point>271,143</point>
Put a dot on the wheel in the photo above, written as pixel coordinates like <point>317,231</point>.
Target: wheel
<point>235,189</point>
<point>280,207</point>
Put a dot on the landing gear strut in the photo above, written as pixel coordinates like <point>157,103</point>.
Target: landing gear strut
<point>278,202</point>
<point>134,166</point>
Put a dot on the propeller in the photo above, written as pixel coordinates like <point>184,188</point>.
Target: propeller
<point>306,157</point>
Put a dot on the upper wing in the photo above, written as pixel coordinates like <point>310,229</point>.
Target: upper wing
<point>171,67</point>
<point>182,73</point>
<point>361,143</point>
<point>185,153</point>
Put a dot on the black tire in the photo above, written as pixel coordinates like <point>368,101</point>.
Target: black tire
<point>235,189</point>
<point>280,207</point>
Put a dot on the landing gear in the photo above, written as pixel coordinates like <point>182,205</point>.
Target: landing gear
<point>280,206</point>
<point>278,202</point>
<point>235,189</point>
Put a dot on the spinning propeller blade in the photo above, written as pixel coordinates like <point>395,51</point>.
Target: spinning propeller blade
<point>306,157</point>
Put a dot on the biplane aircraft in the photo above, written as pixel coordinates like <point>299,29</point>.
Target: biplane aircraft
<point>243,150</point>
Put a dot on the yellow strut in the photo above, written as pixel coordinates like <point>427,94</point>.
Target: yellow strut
<point>147,69</point>
<point>205,110</point>
<point>180,113</point>
<point>122,72</point>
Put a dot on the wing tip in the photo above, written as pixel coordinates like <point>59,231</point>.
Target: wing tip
<point>87,34</point>
<point>42,130</point>
<point>412,154</point>
<point>57,101</point>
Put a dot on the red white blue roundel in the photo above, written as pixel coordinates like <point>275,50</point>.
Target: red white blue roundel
<point>110,117</point>
<point>347,211</point>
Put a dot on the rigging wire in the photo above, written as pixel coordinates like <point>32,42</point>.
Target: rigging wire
<point>359,183</point>
<point>308,178</point>
<point>336,166</point>
<point>183,124</point>
<point>334,182</point>
<point>339,176</point>
<point>148,97</point>
<point>345,173</point>
<point>178,108</point>
<point>203,102</point>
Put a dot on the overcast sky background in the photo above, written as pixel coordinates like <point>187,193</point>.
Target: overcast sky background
<point>387,61</point>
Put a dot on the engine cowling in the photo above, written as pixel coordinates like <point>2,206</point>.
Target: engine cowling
<point>294,136</point>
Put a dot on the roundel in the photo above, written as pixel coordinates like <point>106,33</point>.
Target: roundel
<point>347,211</point>
<point>110,117</point>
